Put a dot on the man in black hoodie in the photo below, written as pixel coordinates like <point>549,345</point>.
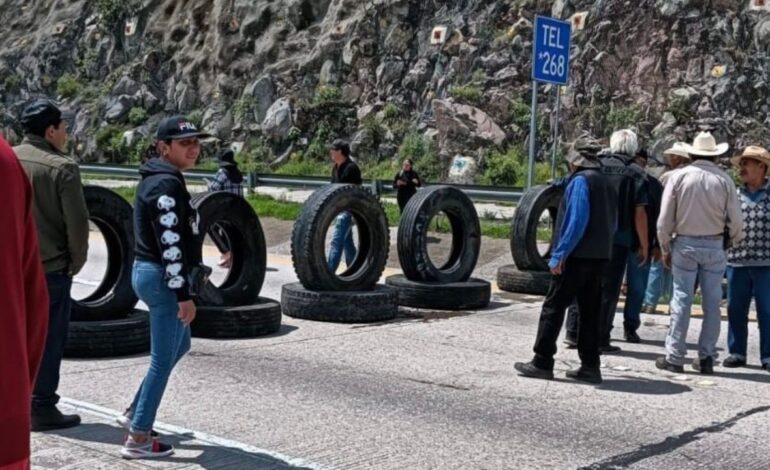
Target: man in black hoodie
<point>166,274</point>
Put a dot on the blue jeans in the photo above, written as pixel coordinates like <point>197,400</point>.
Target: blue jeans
<point>169,340</point>
<point>745,283</point>
<point>706,259</point>
<point>636,280</point>
<point>660,283</point>
<point>59,307</point>
<point>342,239</point>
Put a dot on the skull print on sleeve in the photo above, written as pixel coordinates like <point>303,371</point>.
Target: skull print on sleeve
<point>169,212</point>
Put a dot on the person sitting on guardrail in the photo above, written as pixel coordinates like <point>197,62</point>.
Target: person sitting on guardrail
<point>345,171</point>
<point>586,222</point>
<point>228,179</point>
<point>406,183</point>
<point>629,183</point>
<point>167,274</point>
<point>700,215</point>
<point>24,312</point>
<point>748,271</point>
<point>61,217</point>
<point>660,281</point>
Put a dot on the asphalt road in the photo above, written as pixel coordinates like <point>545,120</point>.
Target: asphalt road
<point>430,390</point>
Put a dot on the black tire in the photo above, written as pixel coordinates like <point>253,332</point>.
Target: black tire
<point>413,235</point>
<point>511,279</point>
<point>228,214</point>
<point>109,338</point>
<point>114,297</point>
<point>378,304</point>
<point>248,321</point>
<point>468,295</point>
<point>308,239</point>
<point>525,223</point>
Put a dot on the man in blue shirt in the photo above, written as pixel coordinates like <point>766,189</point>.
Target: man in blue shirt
<point>586,223</point>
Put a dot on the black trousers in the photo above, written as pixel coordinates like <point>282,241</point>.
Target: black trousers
<point>60,303</point>
<point>581,279</point>
<point>612,283</point>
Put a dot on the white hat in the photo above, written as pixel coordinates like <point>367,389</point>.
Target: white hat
<point>679,150</point>
<point>705,145</point>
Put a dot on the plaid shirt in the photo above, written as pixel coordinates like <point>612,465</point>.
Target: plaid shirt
<point>222,183</point>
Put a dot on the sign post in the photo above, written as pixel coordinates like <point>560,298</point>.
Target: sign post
<point>550,64</point>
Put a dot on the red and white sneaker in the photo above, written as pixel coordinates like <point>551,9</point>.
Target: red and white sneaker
<point>150,449</point>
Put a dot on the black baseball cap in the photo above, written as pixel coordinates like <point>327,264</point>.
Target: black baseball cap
<point>178,127</point>
<point>341,145</point>
<point>40,114</point>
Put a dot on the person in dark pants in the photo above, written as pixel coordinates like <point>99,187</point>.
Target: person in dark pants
<point>406,183</point>
<point>344,171</point>
<point>637,273</point>
<point>586,224</point>
<point>61,218</point>
<point>631,234</point>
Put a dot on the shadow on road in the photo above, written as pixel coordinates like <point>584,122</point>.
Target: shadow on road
<point>285,330</point>
<point>643,386</point>
<point>209,457</point>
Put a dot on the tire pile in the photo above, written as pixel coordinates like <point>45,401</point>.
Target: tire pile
<point>106,324</point>
<point>530,273</point>
<point>449,286</point>
<point>235,309</point>
<point>353,295</point>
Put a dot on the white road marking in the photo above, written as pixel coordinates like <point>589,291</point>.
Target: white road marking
<point>110,414</point>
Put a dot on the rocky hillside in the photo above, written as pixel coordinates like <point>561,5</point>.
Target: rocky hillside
<point>278,78</point>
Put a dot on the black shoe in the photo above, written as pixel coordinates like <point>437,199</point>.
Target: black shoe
<point>704,366</point>
<point>766,366</point>
<point>593,376</point>
<point>733,362</point>
<point>50,418</point>
<point>632,337</point>
<point>570,341</point>
<point>608,349</point>
<point>663,364</point>
<point>527,369</point>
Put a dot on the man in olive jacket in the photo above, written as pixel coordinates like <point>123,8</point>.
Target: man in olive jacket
<point>61,217</point>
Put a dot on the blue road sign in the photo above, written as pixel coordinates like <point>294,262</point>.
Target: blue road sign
<point>550,51</point>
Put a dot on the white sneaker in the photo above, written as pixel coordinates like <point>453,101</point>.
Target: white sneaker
<point>150,449</point>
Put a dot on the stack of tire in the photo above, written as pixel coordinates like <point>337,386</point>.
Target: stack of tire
<point>234,309</point>
<point>530,273</point>
<point>449,286</point>
<point>105,324</point>
<point>351,296</point>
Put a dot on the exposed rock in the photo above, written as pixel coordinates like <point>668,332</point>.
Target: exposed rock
<point>278,121</point>
<point>263,92</point>
<point>463,170</point>
<point>117,108</point>
<point>460,125</point>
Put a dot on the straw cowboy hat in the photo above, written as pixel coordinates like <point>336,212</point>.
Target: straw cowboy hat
<point>704,145</point>
<point>755,153</point>
<point>679,150</point>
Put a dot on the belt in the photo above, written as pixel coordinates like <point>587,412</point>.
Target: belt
<point>703,237</point>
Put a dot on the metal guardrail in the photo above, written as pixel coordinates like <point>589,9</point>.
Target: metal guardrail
<point>378,187</point>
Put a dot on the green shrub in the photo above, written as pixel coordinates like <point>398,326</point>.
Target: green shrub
<point>137,116</point>
<point>680,109</point>
<point>244,106</point>
<point>623,117</point>
<point>384,170</point>
<point>299,165</point>
<point>470,94</point>
<point>68,86</point>
<point>326,94</point>
<point>391,112</point>
<point>12,83</point>
<point>423,153</point>
<point>318,149</point>
<point>109,139</point>
<point>112,11</point>
<point>255,156</point>
<point>520,113</point>
<point>196,117</point>
<point>504,169</point>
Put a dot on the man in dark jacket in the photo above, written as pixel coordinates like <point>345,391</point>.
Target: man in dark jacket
<point>637,273</point>
<point>345,171</point>
<point>24,312</point>
<point>61,218</point>
<point>586,224</point>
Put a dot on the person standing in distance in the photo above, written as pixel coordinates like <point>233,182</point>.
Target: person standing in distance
<point>344,171</point>
<point>167,274</point>
<point>61,217</point>
<point>406,183</point>
<point>24,316</point>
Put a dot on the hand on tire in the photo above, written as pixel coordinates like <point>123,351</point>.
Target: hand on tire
<point>186,312</point>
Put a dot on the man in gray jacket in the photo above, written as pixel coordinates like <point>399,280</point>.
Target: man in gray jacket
<point>699,210</point>
<point>61,218</point>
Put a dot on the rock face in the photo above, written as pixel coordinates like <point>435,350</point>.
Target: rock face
<point>373,70</point>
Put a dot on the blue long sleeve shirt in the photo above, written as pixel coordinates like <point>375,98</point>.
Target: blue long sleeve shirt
<point>575,220</point>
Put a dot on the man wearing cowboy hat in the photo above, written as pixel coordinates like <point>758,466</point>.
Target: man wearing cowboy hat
<point>660,282</point>
<point>700,207</point>
<point>748,271</point>
<point>586,222</point>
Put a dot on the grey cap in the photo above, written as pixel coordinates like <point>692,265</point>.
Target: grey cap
<point>583,151</point>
